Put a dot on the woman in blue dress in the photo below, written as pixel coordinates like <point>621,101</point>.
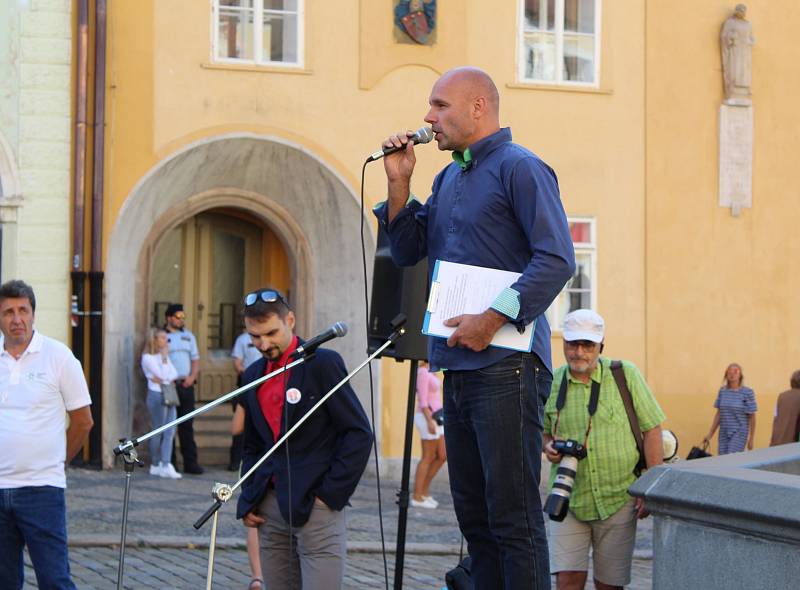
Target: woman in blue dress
<point>736,413</point>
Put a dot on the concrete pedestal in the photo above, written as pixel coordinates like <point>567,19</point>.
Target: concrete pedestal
<point>726,522</point>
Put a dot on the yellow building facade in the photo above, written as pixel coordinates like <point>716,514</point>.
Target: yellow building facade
<point>217,154</point>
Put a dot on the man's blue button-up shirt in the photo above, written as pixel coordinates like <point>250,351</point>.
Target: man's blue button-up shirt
<point>499,208</point>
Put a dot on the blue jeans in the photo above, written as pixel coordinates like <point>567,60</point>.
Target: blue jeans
<point>493,432</point>
<point>160,444</point>
<point>35,516</point>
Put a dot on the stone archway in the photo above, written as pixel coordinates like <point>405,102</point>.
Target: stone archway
<point>311,209</point>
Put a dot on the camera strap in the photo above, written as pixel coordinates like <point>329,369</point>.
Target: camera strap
<point>591,407</point>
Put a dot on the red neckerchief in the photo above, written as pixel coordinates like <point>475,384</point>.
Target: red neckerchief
<point>271,393</point>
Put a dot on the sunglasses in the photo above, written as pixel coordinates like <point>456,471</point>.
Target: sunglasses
<point>585,344</point>
<point>180,316</point>
<point>265,295</point>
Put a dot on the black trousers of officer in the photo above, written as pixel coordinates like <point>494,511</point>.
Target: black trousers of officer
<point>186,429</point>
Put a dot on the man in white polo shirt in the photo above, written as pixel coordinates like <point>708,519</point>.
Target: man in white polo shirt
<point>40,383</point>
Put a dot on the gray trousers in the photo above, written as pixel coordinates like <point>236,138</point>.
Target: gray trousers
<point>319,548</point>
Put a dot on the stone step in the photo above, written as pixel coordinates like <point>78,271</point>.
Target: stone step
<point>212,439</point>
<point>213,456</point>
<point>212,433</point>
<point>213,424</point>
<point>221,411</point>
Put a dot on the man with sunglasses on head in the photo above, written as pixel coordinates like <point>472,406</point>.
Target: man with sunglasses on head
<point>585,405</point>
<point>296,498</point>
<point>184,355</point>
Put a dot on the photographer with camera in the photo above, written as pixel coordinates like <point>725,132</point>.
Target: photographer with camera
<point>589,436</point>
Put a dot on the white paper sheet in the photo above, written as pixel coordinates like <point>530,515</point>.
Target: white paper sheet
<point>461,288</point>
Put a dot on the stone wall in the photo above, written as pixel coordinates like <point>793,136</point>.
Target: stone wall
<point>36,230</point>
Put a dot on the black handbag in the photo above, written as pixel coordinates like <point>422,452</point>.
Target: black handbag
<point>698,453</point>
<point>438,417</point>
<point>458,578</point>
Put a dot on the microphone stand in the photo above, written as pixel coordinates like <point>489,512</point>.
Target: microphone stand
<point>223,492</point>
<point>131,460</point>
<point>127,450</point>
<point>403,495</point>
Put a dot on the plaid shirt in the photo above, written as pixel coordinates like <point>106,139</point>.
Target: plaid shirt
<point>604,476</point>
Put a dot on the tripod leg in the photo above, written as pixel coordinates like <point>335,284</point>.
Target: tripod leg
<point>129,466</point>
<point>211,548</point>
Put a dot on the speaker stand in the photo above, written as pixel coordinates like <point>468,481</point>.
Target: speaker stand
<point>402,493</point>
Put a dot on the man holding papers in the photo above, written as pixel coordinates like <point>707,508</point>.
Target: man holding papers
<point>495,206</point>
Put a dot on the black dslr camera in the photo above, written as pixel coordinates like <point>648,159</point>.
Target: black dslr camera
<point>557,503</point>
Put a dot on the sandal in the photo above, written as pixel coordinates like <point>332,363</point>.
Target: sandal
<point>256,584</point>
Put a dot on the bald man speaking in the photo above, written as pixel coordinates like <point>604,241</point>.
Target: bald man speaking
<point>496,205</point>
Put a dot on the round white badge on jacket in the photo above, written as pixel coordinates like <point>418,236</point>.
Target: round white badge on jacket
<point>293,395</point>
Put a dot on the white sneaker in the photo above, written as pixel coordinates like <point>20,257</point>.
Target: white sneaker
<point>426,503</point>
<point>432,500</point>
<point>169,471</point>
<point>157,470</point>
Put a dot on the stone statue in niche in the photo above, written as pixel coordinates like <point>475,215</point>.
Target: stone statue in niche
<point>736,42</point>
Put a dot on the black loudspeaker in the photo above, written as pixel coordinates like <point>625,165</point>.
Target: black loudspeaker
<point>398,290</point>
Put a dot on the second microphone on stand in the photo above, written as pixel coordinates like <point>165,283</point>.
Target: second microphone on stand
<point>337,330</point>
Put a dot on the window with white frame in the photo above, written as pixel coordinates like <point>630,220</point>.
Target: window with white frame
<point>560,41</point>
<point>580,291</point>
<point>262,32</point>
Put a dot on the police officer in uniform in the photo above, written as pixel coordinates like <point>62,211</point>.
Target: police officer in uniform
<point>184,355</point>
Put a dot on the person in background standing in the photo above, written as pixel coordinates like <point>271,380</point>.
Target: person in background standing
<point>585,405</point>
<point>159,371</point>
<point>736,413</point>
<point>244,354</point>
<point>786,425</point>
<point>429,400</point>
<point>41,383</point>
<point>184,355</point>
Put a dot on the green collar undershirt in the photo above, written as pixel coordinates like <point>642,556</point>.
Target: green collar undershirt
<point>464,159</point>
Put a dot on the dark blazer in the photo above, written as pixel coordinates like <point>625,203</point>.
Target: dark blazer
<point>327,454</point>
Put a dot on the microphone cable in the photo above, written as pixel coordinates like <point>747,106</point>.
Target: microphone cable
<point>285,379</point>
<point>371,384</point>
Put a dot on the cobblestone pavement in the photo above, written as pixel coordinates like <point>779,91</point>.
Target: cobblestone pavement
<point>163,550</point>
<point>95,568</point>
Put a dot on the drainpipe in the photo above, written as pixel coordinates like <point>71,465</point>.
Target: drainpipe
<point>79,179</point>
<point>96,272</point>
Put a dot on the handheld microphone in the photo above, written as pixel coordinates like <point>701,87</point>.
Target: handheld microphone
<point>337,330</point>
<point>423,135</point>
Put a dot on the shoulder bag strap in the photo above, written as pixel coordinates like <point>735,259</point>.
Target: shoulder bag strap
<point>562,393</point>
<point>627,401</point>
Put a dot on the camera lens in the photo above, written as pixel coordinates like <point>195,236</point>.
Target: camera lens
<point>557,503</point>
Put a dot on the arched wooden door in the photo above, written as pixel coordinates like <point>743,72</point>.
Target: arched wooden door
<point>208,263</point>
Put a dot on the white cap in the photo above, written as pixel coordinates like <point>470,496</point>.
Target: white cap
<point>584,324</point>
